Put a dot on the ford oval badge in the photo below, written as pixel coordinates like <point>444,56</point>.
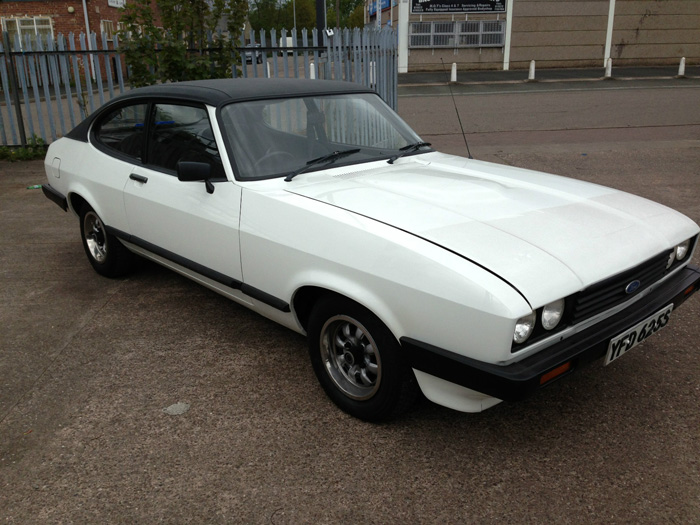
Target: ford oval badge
<point>633,287</point>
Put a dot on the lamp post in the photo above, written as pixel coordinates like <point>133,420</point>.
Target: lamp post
<point>320,15</point>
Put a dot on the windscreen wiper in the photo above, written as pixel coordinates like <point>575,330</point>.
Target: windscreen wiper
<point>408,149</point>
<point>325,159</point>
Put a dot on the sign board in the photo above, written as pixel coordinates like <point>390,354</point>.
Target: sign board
<point>116,3</point>
<point>384,4</point>
<point>457,6</point>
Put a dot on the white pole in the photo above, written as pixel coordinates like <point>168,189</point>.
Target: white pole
<point>531,74</point>
<point>681,68</point>
<point>89,39</point>
<point>312,70</point>
<point>403,36</point>
<point>609,34</point>
<point>453,74</point>
<point>608,68</point>
<point>509,30</point>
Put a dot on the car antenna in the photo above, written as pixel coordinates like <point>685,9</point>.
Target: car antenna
<point>464,135</point>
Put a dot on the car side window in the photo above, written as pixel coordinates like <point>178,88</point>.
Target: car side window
<point>123,130</point>
<point>184,133</point>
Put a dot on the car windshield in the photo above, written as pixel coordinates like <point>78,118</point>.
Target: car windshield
<point>273,138</point>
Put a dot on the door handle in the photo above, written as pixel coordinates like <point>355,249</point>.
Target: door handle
<point>138,178</point>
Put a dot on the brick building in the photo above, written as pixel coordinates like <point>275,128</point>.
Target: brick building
<point>53,17</point>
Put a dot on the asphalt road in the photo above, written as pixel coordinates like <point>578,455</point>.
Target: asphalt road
<point>87,366</point>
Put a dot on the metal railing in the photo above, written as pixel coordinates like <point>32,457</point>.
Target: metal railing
<point>47,86</point>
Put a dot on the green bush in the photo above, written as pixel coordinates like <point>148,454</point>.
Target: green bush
<point>36,149</point>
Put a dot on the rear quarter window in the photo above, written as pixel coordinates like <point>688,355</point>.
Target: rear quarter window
<point>123,130</point>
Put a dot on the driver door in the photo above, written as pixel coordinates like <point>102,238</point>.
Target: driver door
<point>180,221</point>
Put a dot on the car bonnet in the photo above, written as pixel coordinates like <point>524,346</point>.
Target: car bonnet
<point>546,235</point>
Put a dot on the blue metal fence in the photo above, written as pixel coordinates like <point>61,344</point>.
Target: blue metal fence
<point>47,86</point>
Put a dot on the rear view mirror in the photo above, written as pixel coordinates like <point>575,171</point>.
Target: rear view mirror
<point>194,172</point>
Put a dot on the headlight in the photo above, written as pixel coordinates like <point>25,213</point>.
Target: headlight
<point>682,250</point>
<point>552,314</point>
<point>524,327</point>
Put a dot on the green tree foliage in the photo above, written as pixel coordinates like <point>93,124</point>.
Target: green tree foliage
<point>306,14</point>
<point>267,15</point>
<point>276,14</point>
<point>345,8</point>
<point>357,17</point>
<point>181,49</point>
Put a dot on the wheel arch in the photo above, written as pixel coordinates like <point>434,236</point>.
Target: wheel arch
<point>76,202</point>
<point>307,296</point>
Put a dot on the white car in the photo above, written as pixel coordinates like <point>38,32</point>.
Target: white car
<point>314,204</point>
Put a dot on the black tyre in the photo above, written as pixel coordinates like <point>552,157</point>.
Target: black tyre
<point>358,362</point>
<point>106,254</point>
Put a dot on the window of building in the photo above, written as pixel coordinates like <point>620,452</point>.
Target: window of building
<point>28,26</point>
<point>107,27</point>
<point>467,33</point>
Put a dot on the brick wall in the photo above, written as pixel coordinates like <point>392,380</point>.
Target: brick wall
<point>64,21</point>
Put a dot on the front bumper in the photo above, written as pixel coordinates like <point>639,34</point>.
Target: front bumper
<point>518,380</point>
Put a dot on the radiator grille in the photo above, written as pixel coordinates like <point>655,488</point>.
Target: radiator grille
<point>611,292</point>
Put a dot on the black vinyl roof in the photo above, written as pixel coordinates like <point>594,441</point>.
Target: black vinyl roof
<point>225,90</point>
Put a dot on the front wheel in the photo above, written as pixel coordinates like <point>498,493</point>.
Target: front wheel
<point>358,361</point>
<point>106,254</point>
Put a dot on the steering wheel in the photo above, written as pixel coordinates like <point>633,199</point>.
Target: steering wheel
<point>272,159</point>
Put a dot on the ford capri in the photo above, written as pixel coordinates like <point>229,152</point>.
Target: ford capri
<point>409,270</point>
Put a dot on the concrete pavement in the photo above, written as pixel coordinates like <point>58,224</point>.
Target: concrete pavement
<point>88,365</point>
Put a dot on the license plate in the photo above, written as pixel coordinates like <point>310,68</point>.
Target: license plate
<point>626,341</point>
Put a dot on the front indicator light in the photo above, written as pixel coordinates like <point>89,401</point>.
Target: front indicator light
<point>552,314</point>
<point>524,327</point>
<point>553,374</point>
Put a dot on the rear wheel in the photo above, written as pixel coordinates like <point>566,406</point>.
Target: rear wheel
<point>106,254</point>
<point>357,361</point>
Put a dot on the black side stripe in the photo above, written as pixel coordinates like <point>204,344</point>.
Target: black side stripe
<point>204,271</point>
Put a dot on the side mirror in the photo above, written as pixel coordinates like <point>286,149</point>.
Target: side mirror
<point>194,172</point>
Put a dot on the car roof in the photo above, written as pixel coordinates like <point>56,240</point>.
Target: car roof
<point>222,91</point>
